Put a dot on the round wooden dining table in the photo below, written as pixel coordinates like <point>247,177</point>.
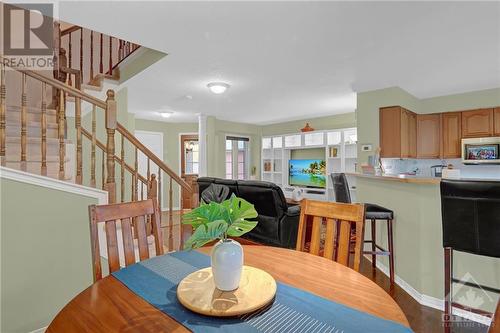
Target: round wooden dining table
<point>109,306</point>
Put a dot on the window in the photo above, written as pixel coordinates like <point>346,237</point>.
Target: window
<point>191,157</point>
<point>237,157</point>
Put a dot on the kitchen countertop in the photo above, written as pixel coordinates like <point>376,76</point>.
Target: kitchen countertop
<point>414,178</point>
<point>400,178</point>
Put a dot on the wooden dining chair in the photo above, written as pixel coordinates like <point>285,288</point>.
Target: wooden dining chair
<point>495,321</point>
<point>132,216</point>
<point>339,218</point>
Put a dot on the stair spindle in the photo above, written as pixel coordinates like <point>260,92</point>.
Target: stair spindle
<point>103,170</point>
<point>110,145</point>
<point>122,170</point>
<point>91,55</point>
<point>136,175</point>
<point>2,113</point>
<point>78,125</point>
<point>43,168</point>
<point>101,67</point>
<point>110,55</point>
<point>159,188</point>
<point>70,57</point>
<point>81,54</point>
<point>92,153</point>
<point>120,51</point>
<point>148,172</point>
<point>24,116</point>
<point>170,215</point>
<point>61,131</point>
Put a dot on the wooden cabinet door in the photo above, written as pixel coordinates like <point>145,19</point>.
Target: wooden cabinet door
<point>496,122</point>
<point>451,134</point>
<point>428,136</point>
<point>390,131</point>
<point>412,135</point>
<point>477,123</point>
<point>408,134</point>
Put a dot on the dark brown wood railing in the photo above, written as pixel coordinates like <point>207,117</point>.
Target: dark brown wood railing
<point>117,51</point>
<point>115,132</point>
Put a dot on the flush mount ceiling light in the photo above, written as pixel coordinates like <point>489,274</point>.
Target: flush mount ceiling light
<point>166,114</point>
<point>218,87</point>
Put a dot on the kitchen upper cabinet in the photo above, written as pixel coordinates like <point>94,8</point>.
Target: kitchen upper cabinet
<point>496,122</point>
<point>451,134</point>
<point>398,132</point>
<point>428,136</point>
<point>477,123</point>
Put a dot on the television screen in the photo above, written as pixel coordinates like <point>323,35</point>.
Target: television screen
<point>307,173</point>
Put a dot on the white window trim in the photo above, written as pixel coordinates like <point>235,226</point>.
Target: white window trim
<point>247,157</point>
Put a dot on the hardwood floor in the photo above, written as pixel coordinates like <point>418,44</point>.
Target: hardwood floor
<point>422,319</point>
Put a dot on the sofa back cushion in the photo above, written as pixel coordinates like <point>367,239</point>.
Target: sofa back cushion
<point>268,198</point>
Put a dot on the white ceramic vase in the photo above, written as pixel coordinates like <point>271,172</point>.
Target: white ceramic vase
<point>227,263</point>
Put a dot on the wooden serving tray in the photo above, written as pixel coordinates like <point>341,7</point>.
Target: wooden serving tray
<point>197,292</point>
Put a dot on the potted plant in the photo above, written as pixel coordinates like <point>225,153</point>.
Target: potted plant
<point>213,221</point>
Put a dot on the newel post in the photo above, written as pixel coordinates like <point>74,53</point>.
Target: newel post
<point>110,145</point>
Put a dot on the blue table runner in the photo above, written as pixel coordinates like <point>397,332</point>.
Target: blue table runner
<point>294,310</point>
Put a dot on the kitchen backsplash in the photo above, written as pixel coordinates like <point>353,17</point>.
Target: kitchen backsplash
<point>423,167</point>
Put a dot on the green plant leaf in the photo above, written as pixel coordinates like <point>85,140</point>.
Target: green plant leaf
<point>204,214</point>
<point>239,210</point>
<point>206,233</point>
<point>239,228</point>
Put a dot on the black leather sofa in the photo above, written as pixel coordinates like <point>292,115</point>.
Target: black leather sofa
<point>278,222</point>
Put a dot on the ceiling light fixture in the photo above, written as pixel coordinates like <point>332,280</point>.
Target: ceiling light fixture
<point>218,87</point>
<point>166,114</point>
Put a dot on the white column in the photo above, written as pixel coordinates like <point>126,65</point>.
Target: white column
<point>202,142</point>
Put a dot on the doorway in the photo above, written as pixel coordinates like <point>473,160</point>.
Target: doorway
<point>154,142</point>
<point>190,163</point>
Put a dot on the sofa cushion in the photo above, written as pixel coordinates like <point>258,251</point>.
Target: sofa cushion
<point>268,198</point>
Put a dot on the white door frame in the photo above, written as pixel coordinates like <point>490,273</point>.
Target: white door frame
<point>159,134</point>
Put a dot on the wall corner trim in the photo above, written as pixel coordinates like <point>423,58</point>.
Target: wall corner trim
<point>28,178</point>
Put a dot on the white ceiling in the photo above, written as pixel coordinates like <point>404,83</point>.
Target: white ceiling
<point>296,60</point>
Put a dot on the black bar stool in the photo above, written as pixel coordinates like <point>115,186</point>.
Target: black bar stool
<point>373,213</point>
<point>470,213</point>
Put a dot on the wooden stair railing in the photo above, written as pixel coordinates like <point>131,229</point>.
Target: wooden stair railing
<point>151,183</point>
<point>117,51</point>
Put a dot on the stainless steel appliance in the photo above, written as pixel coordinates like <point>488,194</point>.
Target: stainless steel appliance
<point>481,150</point>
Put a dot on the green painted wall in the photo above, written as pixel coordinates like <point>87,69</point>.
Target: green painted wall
<point>45,253</point>
<point>312,153</point>
<point>135,65</point>
<point>171,148</point>
<point>323,123</point>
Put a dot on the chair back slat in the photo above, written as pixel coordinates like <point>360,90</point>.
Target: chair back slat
<point>316,235</point>
<point>112,246</point>
<point>131,217</point>
<point>330,235</point>
<point>128,242</point>
<point>123,210</point>
<point>344,240</point>
<point>339,218</point>
<point>142,238</point>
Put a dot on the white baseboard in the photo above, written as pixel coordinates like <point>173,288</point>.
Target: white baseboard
<point>40,330</point>
<point>431,301</point>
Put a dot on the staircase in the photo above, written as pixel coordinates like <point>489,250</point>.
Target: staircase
<point>34,132</point>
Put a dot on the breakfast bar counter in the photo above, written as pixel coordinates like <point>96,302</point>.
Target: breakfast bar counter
<point>418,244</point>
<point>399,178</point>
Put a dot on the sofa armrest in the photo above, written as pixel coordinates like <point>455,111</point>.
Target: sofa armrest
<point>293,210</point>
<point>289,226</point>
